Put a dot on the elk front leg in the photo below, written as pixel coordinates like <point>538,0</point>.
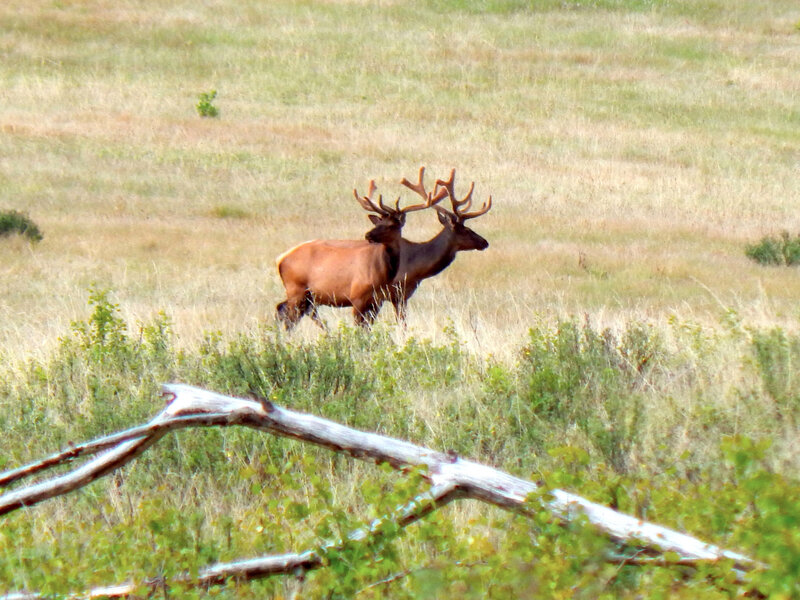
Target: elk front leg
<point>399,298</point>
<point>315,316</point>
<point>365,313</point>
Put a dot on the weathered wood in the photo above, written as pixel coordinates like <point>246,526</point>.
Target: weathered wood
<point>473,479</point>
<point>75,451</point>
<point>450,476</point>
<point>130,444</point>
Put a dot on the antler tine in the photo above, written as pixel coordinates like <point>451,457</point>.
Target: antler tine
<point>477,213</point>
<point>368,204</point>
<point>449,186</point>
<point>461,207</point>
<point>466,200</point>
<point>419,188</point>
<point>396,208</point>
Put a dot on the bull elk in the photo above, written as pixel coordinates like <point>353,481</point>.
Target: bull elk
<point>419,261</point>
<point>355,273</point>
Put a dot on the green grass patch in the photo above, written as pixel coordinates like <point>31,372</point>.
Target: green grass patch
<point>226,211</point>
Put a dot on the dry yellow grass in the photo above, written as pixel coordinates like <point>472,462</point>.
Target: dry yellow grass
<point>631,156</point>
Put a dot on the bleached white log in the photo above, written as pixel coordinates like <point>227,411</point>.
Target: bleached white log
<point>473,479</point>
<point>282,564</point>
<point>450,475</point>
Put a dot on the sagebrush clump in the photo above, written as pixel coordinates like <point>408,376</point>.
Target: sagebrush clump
<point>782,250</point>
<point>12,221</point>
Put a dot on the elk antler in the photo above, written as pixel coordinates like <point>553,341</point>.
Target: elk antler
<point>460,207</point>
<point>368,204</point>
<point>419,188</point>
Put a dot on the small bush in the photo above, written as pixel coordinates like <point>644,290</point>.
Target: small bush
<point>783,250</point>
<point>584,379</point>
<point>777,355</point>
<point>12,221</point>
<point>205,104</point>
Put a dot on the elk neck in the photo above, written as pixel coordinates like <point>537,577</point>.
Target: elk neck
<point>393,260</point>
<point>426,259</point>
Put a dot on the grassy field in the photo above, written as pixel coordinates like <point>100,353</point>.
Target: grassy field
<point>655,141</point>
<point>633,148</point>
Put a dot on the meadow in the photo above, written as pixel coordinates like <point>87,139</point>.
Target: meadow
<point>613,339</point>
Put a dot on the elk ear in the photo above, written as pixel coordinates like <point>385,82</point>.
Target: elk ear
<point>445,218</point>
<point>375,219</point>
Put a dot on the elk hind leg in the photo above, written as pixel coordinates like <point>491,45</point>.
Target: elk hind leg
<point>400,311</point>
<point>290,311</point>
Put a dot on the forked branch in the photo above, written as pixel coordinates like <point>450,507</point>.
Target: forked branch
<point>450,476</point>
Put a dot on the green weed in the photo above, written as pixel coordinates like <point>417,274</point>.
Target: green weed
<point>571,413</point>
<point>777,358</point>
<point>578,377</point>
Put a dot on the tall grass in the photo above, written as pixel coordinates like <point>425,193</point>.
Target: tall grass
<point>656,139</point>
<point>623,417</point>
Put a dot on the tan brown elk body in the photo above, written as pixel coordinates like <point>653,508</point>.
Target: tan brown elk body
<point>421,260</point>
<point>355,273</point>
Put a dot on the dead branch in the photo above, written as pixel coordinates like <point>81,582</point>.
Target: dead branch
<point>450,476</point>
<point>104,443</point>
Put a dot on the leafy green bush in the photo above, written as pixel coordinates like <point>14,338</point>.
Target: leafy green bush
<point>783,250</point>
<point>12,221</point>
<point>205,104</point>
<point>777,357</point>
<point>578,377</point>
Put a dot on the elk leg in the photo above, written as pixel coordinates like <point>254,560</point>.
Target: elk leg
<point>399,301</point>
<point>400,311</point>
<point>287,314</point>
<point>362,320</point>
<point>291,311</point>
<point>365,314</point>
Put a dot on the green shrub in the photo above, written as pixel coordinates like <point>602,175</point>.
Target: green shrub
<point>569,413</point>
<point>791,249</point>
<point>205,106</point>
<point>577,377</point>
<point>777,358</point>
<point>12,221</point>
<point>783,250</point>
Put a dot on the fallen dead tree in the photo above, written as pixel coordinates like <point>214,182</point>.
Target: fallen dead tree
<point>450,476</point>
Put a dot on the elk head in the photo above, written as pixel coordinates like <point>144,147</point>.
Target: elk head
<point>464,237</point>
<point>389,221</point>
